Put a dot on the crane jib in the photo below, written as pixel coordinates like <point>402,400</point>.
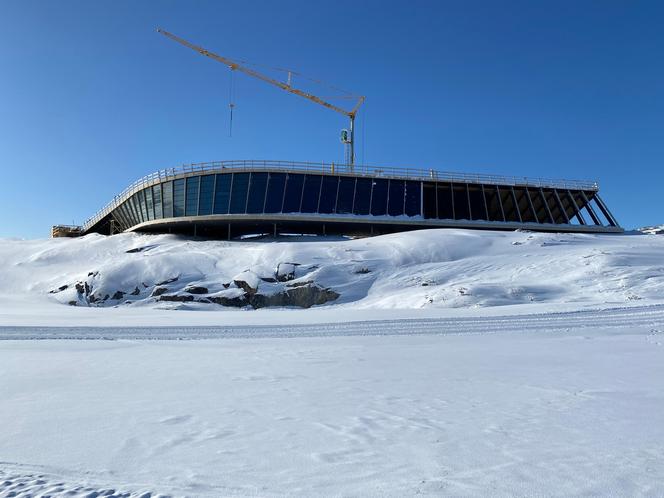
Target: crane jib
<point>287,87</point>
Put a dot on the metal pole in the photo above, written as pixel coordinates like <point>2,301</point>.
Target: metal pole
<point>352,142</point>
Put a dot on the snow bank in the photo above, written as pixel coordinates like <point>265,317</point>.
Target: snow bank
<point>427,271</point>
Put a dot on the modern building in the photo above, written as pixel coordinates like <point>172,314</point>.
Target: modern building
<point>233,198</point>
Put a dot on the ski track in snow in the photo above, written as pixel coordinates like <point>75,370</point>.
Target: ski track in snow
<point>500,363</point>
<point>619,318</point>
<point>527,405</point>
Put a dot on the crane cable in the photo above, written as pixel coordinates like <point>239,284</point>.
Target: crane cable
<point>231,105</point>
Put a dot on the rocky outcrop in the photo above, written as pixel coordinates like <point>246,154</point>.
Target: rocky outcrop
<point>196,290</point>
<point>176,298</point>
<point>286,287</point>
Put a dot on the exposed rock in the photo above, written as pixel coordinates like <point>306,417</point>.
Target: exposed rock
<point>158,291</point>
<point>285,271</point>
<point>269,280</point>
<point>248,281</point>
<point>196,290</point>
<point>236,302</point>
<point>176,298</point>
<point>59,289</point>
<point>118,295</point>
<point>302,297</point>
<point>72,303</point>
<point>362,271</point>
<point>299,284</point>
<point>226,286</point>
<point>168,281</point>
<point>136,292</point>
<point>80,288</point>
<point>136,249</point>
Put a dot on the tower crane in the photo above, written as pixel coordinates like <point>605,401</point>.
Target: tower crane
<point>347,136</point>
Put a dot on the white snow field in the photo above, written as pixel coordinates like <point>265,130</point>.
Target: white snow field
<point>452,363</point>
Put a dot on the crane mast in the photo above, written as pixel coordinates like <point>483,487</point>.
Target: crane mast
<point>348,139</point>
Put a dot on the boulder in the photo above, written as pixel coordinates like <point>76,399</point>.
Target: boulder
<point>158,291</point>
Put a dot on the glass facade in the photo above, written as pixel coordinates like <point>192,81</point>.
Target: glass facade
<point>178,198</point>
<point>280,192</point>
<point>239,187</point>
<point>191,207</point>
<point>206,195</point>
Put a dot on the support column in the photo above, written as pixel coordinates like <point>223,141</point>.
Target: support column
<point>500,202</point>
<point>560,205</point>
<point>577,211</point>
<point>516,204</point>
<point>605,211</point>
<point>590,209</point>
<point>546,206</point>
<point>532,206</point>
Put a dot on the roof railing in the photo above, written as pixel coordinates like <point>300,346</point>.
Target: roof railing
<point>335,169</point>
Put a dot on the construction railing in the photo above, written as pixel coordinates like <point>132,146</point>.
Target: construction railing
<point>331,168</point>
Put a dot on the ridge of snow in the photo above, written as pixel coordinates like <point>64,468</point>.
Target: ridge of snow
<point>423,273</point>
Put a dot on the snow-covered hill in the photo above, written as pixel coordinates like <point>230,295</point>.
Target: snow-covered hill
<point>440,363</point>
<point>654,230</point>
<point>423,270</point>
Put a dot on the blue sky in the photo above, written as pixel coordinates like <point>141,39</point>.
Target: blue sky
<point>92,98</point>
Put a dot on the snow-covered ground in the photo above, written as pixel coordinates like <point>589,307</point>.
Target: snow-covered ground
<point>452,362</point>
<point>428,273</point>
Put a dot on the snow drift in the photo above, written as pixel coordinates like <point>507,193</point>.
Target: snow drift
<point>429,269</point>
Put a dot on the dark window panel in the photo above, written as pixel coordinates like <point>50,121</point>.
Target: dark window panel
<point>511,213</point>
<point>178,197</point>
<point>148,203</point>
<point>222,193</point>
<point>206,195</point>
<point>137,208</point>
<point>445,202</point>
<point>120,217</point>
<point>141,203</point>
<point>493,203</point>
<point>523,204</point>
<point>379,197</point>
<point>193,184</point>
<point>328,194</point>
<point>461,209</point>
<point>429,201</point>
<point>127,215</point>
<point>538,204</point>
<point>257,187</point>
<point>345,195</point>
<point>396,198</point>
<point>239,193</point>
<point>362,201</point>
<point>275,192</point>
<point>132,213</point>
<point>557,214</point>
<point>167,191</point>
<point>158,208</point>
<point>293,195</point>
<point>413,206</point>
<point>477,207</point>
<point>310,193</point>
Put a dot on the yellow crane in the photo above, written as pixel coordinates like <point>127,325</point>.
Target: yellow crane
<point>347,136</point>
